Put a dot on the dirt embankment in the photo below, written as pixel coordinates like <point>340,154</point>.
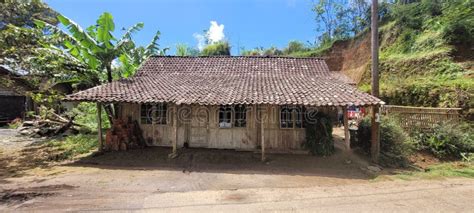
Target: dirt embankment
<point>352,57</point>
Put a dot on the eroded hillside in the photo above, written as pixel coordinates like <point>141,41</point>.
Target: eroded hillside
<point>426,55</point>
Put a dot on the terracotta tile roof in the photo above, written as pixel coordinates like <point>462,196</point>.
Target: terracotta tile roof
<point>230,80</point>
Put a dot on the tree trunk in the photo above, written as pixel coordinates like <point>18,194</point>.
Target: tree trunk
<point>110,109</point>
<point>109,72</point>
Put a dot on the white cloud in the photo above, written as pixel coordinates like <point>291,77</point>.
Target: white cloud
<point>214,34</point>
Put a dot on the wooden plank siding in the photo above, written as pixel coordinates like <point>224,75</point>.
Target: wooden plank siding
<point>198,125</point>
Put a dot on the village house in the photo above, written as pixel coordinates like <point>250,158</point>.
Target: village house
<point>229,102</point>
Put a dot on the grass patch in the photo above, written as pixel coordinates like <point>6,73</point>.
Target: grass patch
<point>439,171</point>
<point>72,146</point>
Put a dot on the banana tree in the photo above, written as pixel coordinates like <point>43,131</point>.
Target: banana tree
<point>98,48</point>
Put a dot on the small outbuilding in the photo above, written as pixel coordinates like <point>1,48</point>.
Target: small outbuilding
<point>228,102</point>
<point>14,102</point>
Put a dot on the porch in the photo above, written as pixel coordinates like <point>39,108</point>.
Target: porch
<point>257,128</point>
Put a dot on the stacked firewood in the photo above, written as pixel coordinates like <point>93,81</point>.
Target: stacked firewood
<point>49,125</point>
<point>123,136</point>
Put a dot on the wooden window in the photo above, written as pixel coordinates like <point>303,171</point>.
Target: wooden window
<point>146,113</point>
<point>240,116</point>
<point>153,113</point>
<point>161,111</point>
<point>292,117</point>
<point>225,116</point>
<point>286,117</point>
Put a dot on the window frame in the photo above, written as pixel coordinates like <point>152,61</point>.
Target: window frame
<point>294,117</point>
<point>225,111</point>
<point>240,114</point>
<point>237,113</point>
<point>159,113</point>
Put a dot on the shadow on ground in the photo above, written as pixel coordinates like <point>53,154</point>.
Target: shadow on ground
<point>341,164</point>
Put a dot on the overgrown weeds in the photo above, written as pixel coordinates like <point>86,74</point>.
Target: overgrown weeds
<point>456,169</point>
<point>447,141</point>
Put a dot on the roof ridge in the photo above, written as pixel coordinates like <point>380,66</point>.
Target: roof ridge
<point>237,56</point>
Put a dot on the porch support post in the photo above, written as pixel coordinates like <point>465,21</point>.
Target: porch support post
<point>262,133</point>
<point>347,139</point>
<point>175,130</point>
<point>375,137</point>
<point>99,126</point>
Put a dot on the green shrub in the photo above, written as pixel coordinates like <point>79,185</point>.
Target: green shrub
<point>319,139</point>
<point>395,144</point>
<point>447,141</point>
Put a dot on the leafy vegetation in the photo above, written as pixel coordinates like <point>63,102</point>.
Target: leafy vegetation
<point>420,44</point>
<point>426,47</point>
<point>97,48</point>
<point>216,49</point>
<point>395,144</point>
<point>319,140</point>
<point>72,146</point>
<point>447,141</point>
<point>85,113</point>
<point>22,13</point>
<point>443,170</point>
<point>184,50</point>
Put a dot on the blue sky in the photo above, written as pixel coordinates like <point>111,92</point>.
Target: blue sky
<point>247,23</point>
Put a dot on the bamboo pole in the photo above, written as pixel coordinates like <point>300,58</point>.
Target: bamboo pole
<point>99,126</point>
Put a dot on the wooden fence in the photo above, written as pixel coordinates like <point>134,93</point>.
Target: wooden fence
<point>422,117</point>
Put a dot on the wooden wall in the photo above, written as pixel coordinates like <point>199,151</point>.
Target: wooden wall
<point>198,125</point>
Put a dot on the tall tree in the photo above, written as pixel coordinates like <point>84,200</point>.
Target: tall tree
<point>97,48</point>
<point>340,19</point>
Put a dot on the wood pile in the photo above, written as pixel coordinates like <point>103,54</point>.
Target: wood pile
<point>123,136</point>
<point>50,125</point>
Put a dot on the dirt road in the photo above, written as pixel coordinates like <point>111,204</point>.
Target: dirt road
<point>215,181</point>
<point>142,192</point>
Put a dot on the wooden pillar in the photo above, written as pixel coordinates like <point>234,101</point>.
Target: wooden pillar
<point>347,139</point>
<point>375,137</point>
<point>99,126</point>
<point>375,48</point>
<point>175,129</point>
<point>262,133</point>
